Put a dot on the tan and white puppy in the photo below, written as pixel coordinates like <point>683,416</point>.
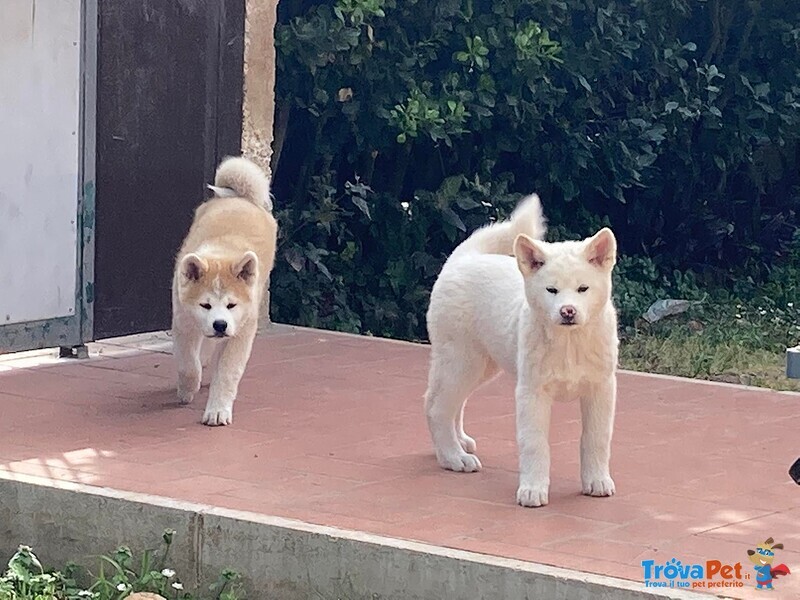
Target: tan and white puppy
<point>505,300</point>
<point>221,274</point>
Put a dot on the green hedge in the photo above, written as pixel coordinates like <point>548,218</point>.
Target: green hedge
<point>403,125</point>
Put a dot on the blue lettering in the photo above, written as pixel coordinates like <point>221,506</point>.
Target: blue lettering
<point>648,568</point>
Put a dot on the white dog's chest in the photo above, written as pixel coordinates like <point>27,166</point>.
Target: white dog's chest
<point>571,373</point>
<point>567,389</point>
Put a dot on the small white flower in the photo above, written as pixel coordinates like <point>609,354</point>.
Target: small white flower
<point>122,587</point>
<point>790,304</point>
<point>738,316</point>
<point>168,573</point>
<point>177,586</point>
<point>86,594</point>
<point>762,312</point>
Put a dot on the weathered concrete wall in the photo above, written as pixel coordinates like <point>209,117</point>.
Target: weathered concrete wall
<point>259,81</point>
<point>259,92</point>
<point>280,559</point>
<point>69,525</point>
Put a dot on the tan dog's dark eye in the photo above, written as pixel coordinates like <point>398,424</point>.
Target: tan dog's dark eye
<point>552,290</point>
<point>206,306</point>
<point>583,288</point>
<point>230,306</point>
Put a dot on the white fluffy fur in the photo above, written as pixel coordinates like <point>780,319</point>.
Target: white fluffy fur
<point>531,317</point>
<point>246,180</point>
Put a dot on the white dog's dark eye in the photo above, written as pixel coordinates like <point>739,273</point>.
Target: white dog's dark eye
<point>206,306</point>
<point>552,290</point>
<point>583,288</point>
<point>231,305</point>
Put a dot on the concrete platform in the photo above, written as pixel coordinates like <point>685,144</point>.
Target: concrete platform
<point>328,431</point>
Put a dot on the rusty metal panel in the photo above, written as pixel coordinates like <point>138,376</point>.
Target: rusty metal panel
<point>47,152</point>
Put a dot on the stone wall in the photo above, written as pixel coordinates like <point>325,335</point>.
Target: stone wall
<point>259,92</point>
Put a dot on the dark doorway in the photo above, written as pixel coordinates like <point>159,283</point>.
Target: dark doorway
<point>169,107</point>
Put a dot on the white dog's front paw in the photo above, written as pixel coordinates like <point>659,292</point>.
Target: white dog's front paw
<point>598,486</point>
<point>218,416</point>
<point>467,443</point>
<point>462,463</point>
<point>533,495</point>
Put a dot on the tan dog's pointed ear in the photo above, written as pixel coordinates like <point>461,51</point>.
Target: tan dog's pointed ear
<point>530,254</point>
<point>777,546</point>
<point>193,267</point>
<point>222,192</point>
<point>768,540</point>
<point>247,268</point>
<point>601,249</point>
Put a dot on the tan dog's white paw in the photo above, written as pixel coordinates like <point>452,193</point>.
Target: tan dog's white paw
<point>533,495</point>
<point>188,386</point>
<point>461,463</point>
<point>185,396</point>
<point>599,486</point>
<point>218,416</point>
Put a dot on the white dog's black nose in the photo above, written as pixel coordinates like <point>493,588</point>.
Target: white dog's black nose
<point>220,326</point>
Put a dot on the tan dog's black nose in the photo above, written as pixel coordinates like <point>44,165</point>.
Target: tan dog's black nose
<point>220,326</point>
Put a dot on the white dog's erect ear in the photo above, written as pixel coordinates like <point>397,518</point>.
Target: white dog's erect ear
<point>530,254</point>
<point>193,267</point>
<point>247,268</point>
<point>601,249</point>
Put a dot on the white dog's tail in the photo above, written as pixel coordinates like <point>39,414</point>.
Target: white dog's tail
<point>498,238</point>
<point>240,178</point>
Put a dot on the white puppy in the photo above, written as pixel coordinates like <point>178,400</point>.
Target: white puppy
<point>546,317</point>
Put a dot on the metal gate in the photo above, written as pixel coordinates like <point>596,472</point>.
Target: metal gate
<point>47,52</point>
<point>113,116</point>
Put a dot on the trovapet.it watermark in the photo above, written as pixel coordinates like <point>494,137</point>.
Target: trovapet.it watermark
<point>715,574</point>
<point>708,575</point>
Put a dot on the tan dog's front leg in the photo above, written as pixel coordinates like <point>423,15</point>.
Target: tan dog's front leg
<point>231,360</point>
<point>186,348</point>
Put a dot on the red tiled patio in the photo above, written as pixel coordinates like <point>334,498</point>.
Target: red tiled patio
<point>329,429</point>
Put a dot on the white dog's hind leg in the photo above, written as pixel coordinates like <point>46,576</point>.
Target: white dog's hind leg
<point>231,361</point>
<point>454,374</point>
<point>186,348</point>
<point>597,421</point>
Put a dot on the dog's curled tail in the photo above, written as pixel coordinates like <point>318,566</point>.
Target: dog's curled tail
<point>498,238</point>
<point>238,177</point>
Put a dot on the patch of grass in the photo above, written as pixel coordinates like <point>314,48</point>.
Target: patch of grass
<point>737,331</point>
<point>717,341</point>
